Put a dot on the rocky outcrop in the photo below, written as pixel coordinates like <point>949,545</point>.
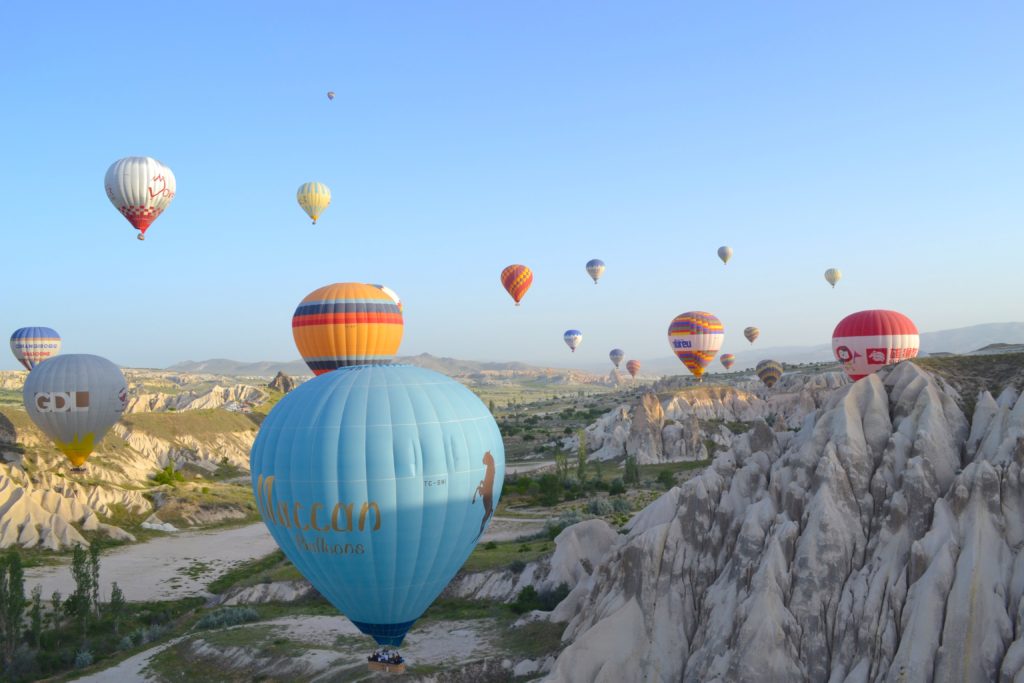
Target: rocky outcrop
<point>236,397</point>
<point>275,591</point>
<point>854,550</point>
<point>282,383</point>
<point>644,441</point>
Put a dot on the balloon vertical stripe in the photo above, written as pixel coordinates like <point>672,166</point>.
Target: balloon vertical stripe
<point>516,279</point>
<point>695,337</point>
<point>33,345</point>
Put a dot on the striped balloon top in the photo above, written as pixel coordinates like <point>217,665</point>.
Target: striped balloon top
<point>695,322</point>
<point>346,324</point>
<point>33,345</point>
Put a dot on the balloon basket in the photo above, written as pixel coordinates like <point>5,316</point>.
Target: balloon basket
<point>78,470</point>
<point>388,668</point>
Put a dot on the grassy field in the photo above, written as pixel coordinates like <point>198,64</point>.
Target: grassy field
<point>497,555</point>
<point>970,375</point>
<point>198,424</point>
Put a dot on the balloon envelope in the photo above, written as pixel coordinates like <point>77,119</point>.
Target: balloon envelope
<point>595,269</point>
<point>140,188</point>
<point>727,360</point>
<point>572,339</point>
<point>347,323</point>
<point>633,366</point>
<point>33,345</point>
<point>616,356</point>
<point>394,296</point>
<point>696,337</point>
<point>314,198</point>
<point>725,253</point>
<point>769,371</point>
<point>516,279</point>
<point>377,482</point>
<point>74,399</point>
<point>866,341</point>
<point>751,333</point>
<point>832,276</point>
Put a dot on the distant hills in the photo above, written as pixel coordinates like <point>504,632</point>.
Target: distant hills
<point>448,366</point>
<point>993,337</point>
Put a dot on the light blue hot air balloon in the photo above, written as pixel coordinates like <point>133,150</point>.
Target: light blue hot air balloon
<point>616,356</point>
<point>377,481</point>
<point>595,269</point>
<point>572,339</point>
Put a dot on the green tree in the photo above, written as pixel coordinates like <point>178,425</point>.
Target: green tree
<point>78,605</point>
<point>56,600</point>
<point>12,604</point>
<point>598,470</point>
<point>116,606</point>
<point>94,575</point>
<point>550,490</point>
<point>35,615</point>
<point>631,473</point>
<point>666,479</point>
<point>581,456</point>
<point>561,467</point>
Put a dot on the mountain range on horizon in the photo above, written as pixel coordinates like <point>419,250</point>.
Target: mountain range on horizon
<point>958,341</point>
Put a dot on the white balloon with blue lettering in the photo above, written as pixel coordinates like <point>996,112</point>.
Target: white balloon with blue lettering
<point>572,339</point>
<point>377,481</point>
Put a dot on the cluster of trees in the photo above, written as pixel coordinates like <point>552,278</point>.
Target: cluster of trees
<point>34,632</point>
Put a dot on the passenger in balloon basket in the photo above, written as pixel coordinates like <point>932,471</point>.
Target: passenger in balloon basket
<point>386,659</point>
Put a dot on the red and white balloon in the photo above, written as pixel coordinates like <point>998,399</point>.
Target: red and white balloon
<point>866,341</point>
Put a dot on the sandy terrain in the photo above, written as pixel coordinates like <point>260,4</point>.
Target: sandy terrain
<point>175,566</point>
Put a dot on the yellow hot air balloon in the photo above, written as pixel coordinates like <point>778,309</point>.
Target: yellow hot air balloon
<point>313,198</point>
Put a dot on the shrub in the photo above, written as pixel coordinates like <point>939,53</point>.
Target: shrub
<point>517,566</point>
<point>599,507</point>
<point>553,527</point>
<point>491,545</point>
<point>126,643</point>
<point>549,490</point>
<point>617,486</point>
<point>228,616</point>
<point>168,475</point>
<point>620,505</point>
<point>666,479</point>
<point>83,658</point>
<point>529,599</point>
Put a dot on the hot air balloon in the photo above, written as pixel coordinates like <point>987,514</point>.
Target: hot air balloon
<point>32,345</point>
<point>74,399</point>
<point>140,188</point>
<point>330,95</point>
<point>572,339</point>
<point>616,356</point>
<point>832,276</point>
<point>695,337</point>
<point>725,253</point>
<point>595,269</point>
<point>516,279</point>
<point>394,296</point>
<point>727,360</point>
<point>751,333</point>
<point>377,482</point>
<point>347,323</point>
<point>314,198</point>
<point>866,341</point>
<point>769,371</point>
<point>633,367</point>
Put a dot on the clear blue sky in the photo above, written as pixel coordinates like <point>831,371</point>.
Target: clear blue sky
<point>884,139</point>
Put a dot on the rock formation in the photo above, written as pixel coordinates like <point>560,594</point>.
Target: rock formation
<point>282,383</point>
<point>854,550</point>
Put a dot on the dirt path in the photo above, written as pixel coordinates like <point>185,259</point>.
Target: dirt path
<point>174,566</point>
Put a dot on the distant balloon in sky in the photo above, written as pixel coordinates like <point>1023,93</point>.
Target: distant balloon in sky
<point>33,345</point>
<point>330,94</point>
<point>725,253</point>
<point>314,198</point>
<point>695,337</point>
<point>140,188</point>
<point>572,339</point>
<point>866,341</point>
<point>727,360</point>
<point>394,296</point>
<point>751,333</point>
<point>832,276</point>
<point>769,371</point>
<point>595,269</point>
<point>616,356</point>
<point>74,399</point>
<point>516,279</point>
<point>347,323</point>
<point>633,367</point>
<point>377,482</point>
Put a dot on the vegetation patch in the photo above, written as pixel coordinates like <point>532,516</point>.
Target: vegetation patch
<point>488,556</point>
